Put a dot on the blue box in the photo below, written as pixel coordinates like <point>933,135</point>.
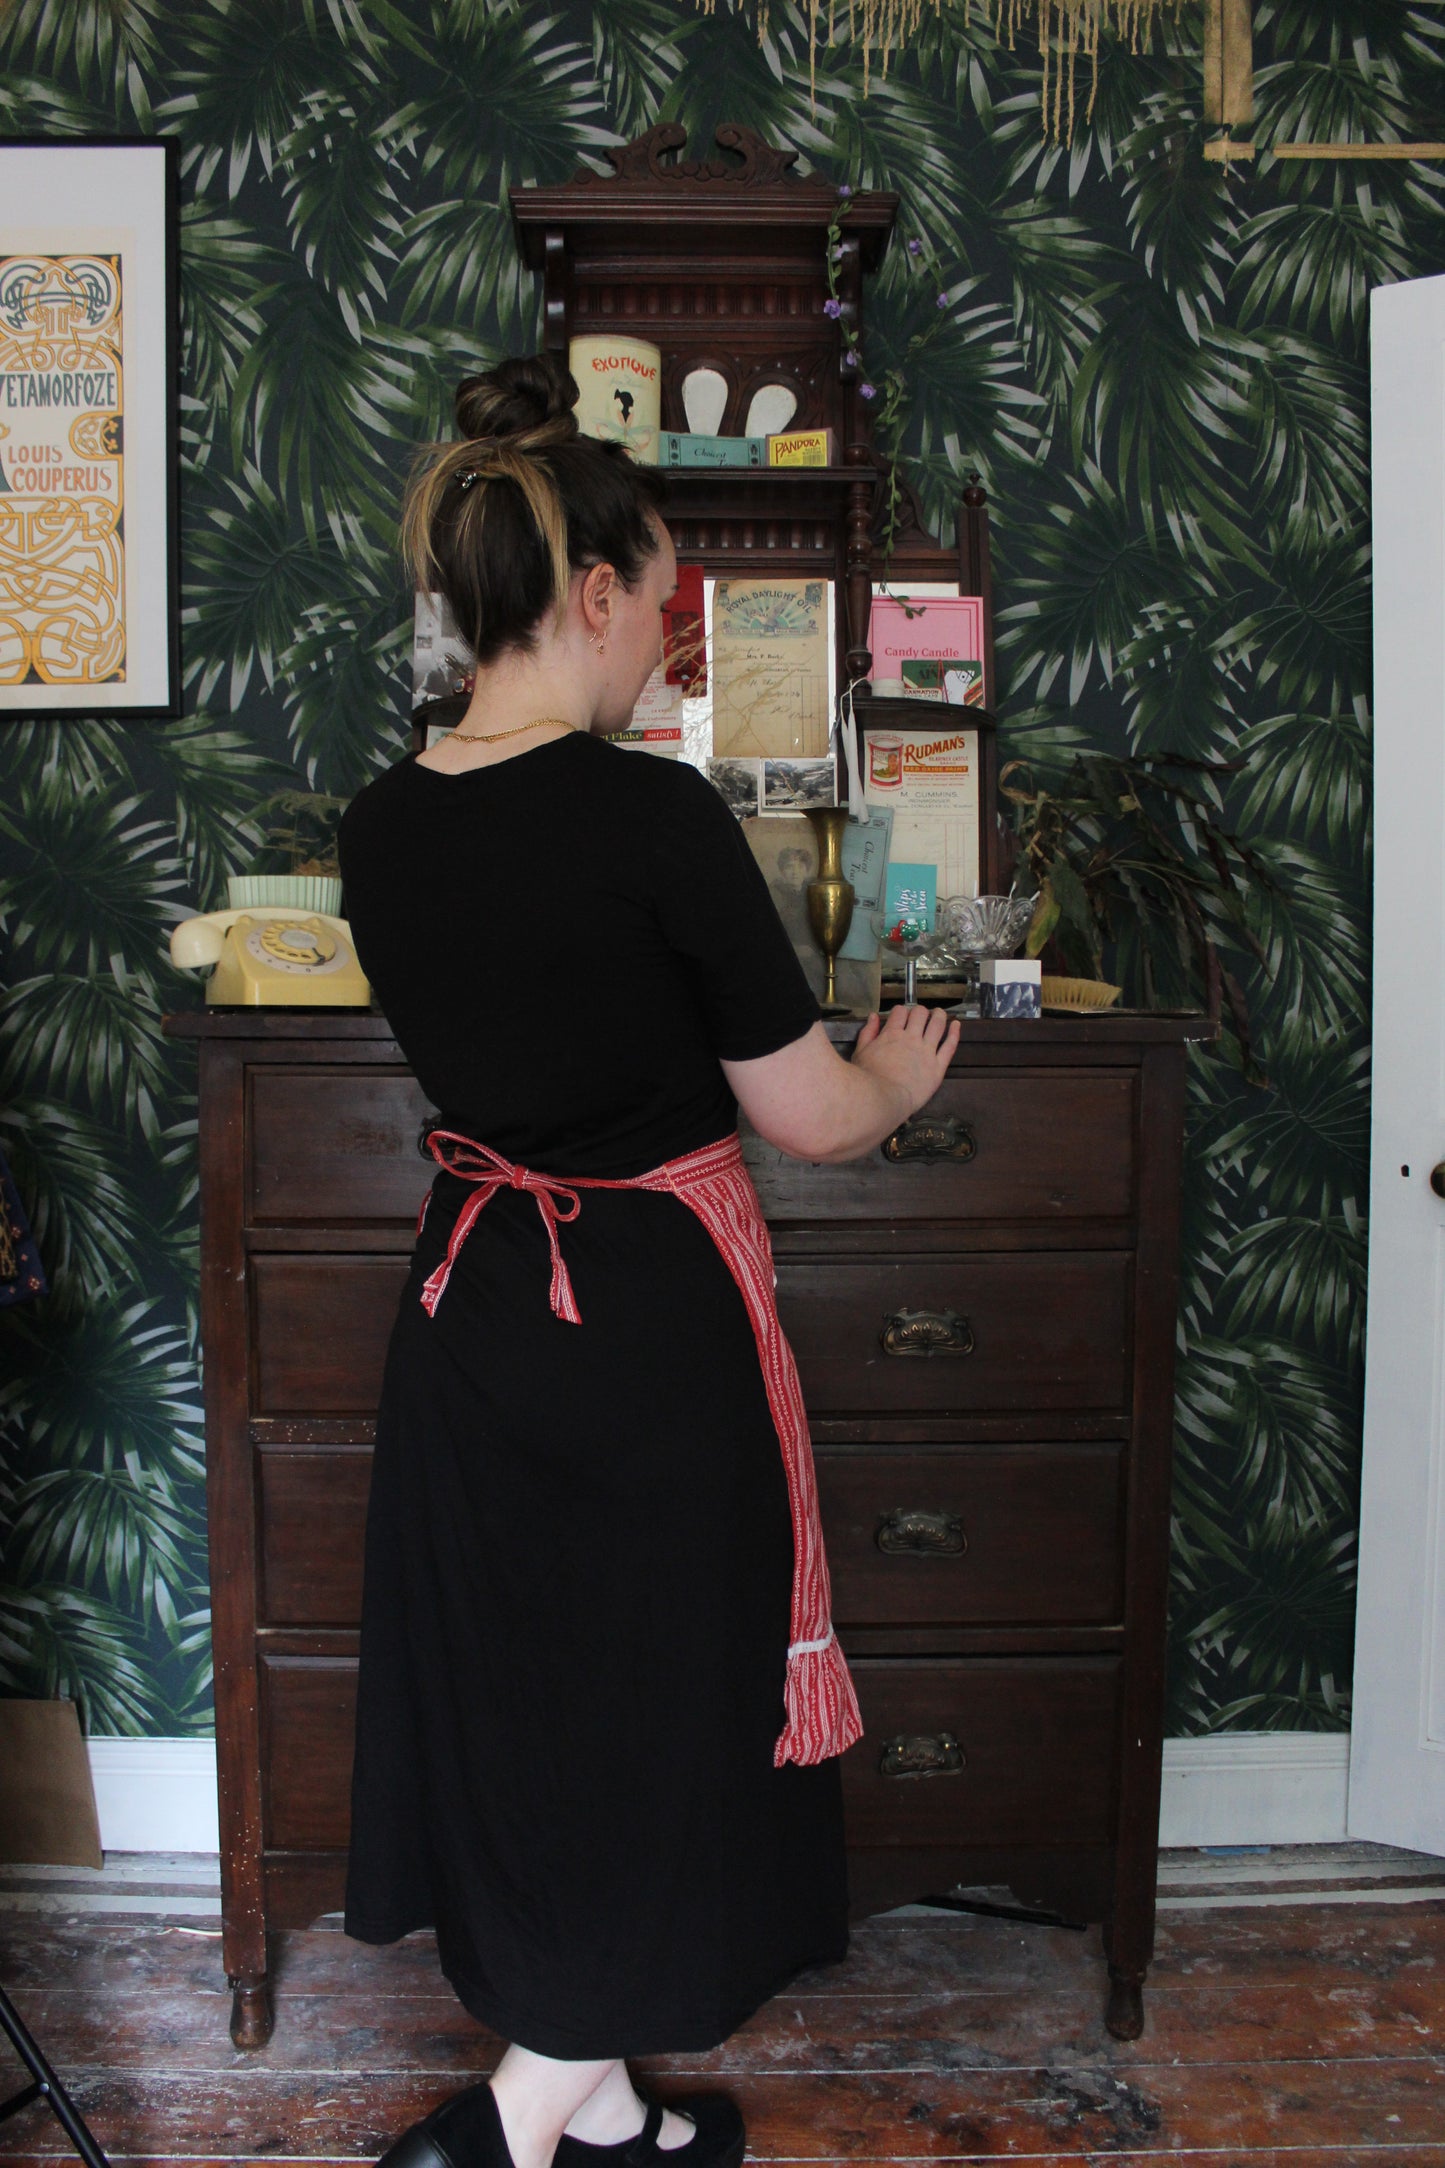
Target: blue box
<point>1009,986</point>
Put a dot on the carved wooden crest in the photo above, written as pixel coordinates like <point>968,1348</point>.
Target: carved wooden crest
<point>657,156</point>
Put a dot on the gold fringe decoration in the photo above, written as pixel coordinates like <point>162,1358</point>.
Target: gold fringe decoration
<point>886,23</point>
<point>1066,28</point>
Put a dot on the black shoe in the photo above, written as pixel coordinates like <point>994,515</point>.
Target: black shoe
<point>464,2132</point>
<point>717,2142</point>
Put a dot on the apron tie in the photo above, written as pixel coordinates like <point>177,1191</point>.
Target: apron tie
<point>489,1172</point>
<point>821,1707</point>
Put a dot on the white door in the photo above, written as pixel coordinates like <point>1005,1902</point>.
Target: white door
<point>1397,1754</point>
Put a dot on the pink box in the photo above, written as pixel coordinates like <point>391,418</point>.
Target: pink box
<point>947,628</point>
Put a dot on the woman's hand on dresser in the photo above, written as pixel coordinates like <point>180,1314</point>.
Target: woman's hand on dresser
<point>813,1104</point>
<point>909,1052</point>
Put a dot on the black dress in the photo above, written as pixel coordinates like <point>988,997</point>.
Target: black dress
<point>579,1553</point>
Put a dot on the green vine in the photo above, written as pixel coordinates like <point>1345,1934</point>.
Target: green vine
<point>890,390</point>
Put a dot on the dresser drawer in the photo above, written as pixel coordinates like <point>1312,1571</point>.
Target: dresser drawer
<point>1008,1144</point>
<point>338,1144</point>
<point>335,1145</point>
<point>1020,1330</point>
<point>319,1331</point>
<point>310,1535</point>
<point>975,1535</point>
<point>308,1728</point>
<point>984,1751</point>
<point>1004,1751</point>
<point>1045,1330</point>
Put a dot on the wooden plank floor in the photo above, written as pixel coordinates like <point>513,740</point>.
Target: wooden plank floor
<point>1280,2034</point>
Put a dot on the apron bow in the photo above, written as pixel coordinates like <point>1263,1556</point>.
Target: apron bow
<point>488,1172</point>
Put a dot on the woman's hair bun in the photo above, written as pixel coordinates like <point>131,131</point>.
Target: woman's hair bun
<point>499,519</point>
<point>530,398</point>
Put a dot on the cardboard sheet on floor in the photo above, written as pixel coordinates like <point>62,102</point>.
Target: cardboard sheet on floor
<point>47,1800</point>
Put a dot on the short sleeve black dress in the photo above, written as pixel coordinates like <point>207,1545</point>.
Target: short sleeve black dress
<point>579,1552</point>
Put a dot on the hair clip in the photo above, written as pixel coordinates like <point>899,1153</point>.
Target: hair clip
<point>465,481</point>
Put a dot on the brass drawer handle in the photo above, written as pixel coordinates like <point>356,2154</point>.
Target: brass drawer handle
<point>917,1529</point>
<point>926,1137</point>
<point>926,1332</point>
<point>922,1754</point>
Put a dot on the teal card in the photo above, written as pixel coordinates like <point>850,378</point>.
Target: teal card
<point>911,892</point>
<point>679,448</point>
<point>865,862</point>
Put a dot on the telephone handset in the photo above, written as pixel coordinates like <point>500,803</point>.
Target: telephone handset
<point>273,958</point>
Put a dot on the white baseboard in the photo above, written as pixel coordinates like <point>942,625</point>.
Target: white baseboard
<point>1255,1787</point>
<point>155,1795</point>
<point>159,1795</point>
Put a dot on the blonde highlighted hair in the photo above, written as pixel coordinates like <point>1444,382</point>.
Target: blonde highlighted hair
<point>499,520</point>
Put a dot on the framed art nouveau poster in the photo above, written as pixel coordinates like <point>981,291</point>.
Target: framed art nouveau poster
<point>88,537</point>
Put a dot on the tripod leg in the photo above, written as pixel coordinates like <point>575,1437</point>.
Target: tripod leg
<point>49,2087</point>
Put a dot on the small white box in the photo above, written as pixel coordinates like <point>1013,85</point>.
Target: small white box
<point>1009,986</point>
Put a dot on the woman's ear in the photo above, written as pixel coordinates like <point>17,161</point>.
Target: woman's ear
<point>599,596</point>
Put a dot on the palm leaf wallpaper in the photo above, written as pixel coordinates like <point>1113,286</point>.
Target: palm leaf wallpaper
<point>1157,365</point>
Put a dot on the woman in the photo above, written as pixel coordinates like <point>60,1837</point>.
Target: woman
<point>600,1703</point>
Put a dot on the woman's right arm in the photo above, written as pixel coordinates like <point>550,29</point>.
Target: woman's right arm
<point>812,1104</point>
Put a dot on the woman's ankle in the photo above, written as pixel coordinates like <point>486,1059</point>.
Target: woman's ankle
<point>610,2117</point>
<point>537,2097</point>
<point>530,2142</point>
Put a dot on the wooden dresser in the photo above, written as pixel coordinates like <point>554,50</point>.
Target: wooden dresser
<point>983,1315</point>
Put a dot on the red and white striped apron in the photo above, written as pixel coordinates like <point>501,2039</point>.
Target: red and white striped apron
<point>822,1708</point>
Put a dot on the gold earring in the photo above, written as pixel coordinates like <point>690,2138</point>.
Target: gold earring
<point>599,641</point>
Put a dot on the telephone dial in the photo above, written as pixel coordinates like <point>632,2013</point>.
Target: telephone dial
<point>273,958</point>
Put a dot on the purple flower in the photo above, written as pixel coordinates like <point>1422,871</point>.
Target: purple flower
<point>915,248</point>
<point>867,391</point>
<point>844,189</point>
<point>833,309</point>
<point>943,301</point>
<point>839,253</point>
<point>852,358</point>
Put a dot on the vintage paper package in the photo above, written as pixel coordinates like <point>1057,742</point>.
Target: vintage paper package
<point>930,647</point>
<point>619,392</point>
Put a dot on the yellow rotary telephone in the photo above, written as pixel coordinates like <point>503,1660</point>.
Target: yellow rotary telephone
<point>273,958</point>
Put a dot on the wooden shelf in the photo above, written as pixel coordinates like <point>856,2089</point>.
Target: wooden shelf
<point>895,713</point>
<point>832,480</point>
<point>722,512</point>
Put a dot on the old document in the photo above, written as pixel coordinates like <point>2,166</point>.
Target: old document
<point>770,643</point>
<point>928,780</point>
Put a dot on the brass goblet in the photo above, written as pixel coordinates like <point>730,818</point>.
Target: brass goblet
<point>830,899</point>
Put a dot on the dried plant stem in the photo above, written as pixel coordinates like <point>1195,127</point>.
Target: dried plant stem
<point>887,25</point>
<point>1066,29</point>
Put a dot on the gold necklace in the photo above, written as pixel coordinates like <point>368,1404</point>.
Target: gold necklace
<point>490,737</point>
